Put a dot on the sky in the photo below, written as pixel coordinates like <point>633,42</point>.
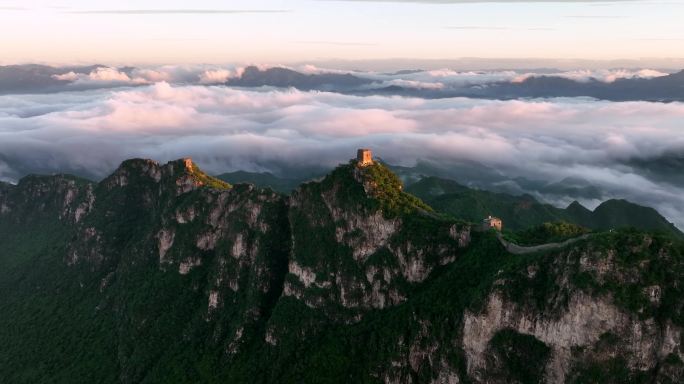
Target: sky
<point>278,31</point>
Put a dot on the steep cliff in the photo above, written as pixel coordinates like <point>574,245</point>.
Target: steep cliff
<point>160,273</point>
<point>359,243</point>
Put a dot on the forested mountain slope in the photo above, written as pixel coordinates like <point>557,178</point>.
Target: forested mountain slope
<point>160,273</point>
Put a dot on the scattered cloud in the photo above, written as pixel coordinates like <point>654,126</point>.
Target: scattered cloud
<point>414,84</point>
<point>447,78</point>
<point>107,77</point>
<point>443,82</point>
<point>179,11</point>
<point>91,132</point>
<point>215,76</point>
<point>603,75</point>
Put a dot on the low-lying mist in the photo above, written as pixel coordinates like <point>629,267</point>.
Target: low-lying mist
<point>623,150</point>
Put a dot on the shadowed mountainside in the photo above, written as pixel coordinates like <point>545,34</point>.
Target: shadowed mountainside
<point>160,273</point>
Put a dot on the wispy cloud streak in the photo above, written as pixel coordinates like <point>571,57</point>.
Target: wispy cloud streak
<point>179,11</point>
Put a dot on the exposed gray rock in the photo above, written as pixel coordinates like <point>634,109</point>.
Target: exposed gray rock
<point>580,325</point>
<point>165,239</point>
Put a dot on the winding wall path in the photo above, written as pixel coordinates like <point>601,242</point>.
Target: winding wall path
<point>521,250</point>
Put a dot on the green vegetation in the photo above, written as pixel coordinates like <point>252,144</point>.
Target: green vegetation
<point>522,357</point>
<point>556,232</point>
<point>612,371</point>
<point>517,212</point>
<point>388,189</point>
<point>624,264</point>
<point>522,212</point>
<point>208,181</point>
<point>351,353</point>
<point>95,301</point>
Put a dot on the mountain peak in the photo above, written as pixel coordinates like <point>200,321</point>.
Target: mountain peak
<point>183,173</point>
<point>575,205</point>
<point>379,184</point>
<point>184,165</point>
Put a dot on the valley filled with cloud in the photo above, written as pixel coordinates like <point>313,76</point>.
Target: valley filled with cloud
<point>625,150</point>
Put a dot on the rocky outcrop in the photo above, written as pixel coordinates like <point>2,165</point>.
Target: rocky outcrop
<point>581,325</point>
<point>585,325</point>
<point>165,239</point>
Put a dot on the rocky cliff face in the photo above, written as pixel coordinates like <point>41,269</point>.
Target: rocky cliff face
<point>349,255</point>
<point>161,273</point>
<point>598,308</point>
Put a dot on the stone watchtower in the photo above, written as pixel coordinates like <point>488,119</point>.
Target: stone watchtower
<point>364,157</point>
<point>492,222</point>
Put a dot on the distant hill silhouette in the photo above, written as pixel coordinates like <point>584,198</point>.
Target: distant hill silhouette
<point>284,77</point>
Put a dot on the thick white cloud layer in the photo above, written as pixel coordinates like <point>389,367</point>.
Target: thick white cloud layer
<point>226,129</point>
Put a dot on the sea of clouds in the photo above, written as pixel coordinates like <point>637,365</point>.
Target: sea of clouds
<point>224,129</point>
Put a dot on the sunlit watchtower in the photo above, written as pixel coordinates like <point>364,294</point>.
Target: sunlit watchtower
<point>364,157</point>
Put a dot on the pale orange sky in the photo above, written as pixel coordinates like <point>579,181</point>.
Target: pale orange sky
<point>308,30</point>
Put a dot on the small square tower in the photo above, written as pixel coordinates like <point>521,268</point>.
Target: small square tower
<point>364,157</point>
<point>492,222</point>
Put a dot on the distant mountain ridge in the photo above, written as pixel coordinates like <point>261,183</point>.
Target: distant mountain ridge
<point>663,88</point>
<point>518,212</point>
<point>252,76</point>
<point>33,78</point>
<point>522,212</point>
<point>261,180</point>
<point>36,78</point>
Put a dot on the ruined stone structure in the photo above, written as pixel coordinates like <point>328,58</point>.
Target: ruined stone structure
<point>364,157</point>
<point>492,222</point>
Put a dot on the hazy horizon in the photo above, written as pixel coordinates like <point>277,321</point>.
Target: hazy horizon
<point>276,31</point>
<point>402,63</point>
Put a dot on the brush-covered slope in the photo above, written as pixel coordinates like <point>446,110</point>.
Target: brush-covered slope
<point>140,277</point>
<point>523,212</point>
<point>160,273</point>
<point>359,242</point>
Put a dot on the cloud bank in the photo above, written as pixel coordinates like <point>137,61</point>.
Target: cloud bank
<point>91,132</point>
<point>436,83</point>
